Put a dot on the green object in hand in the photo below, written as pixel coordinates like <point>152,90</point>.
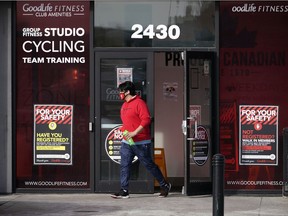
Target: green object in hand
<point>130,140</point>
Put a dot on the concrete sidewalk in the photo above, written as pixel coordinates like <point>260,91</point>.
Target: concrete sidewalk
<point>175,204</point>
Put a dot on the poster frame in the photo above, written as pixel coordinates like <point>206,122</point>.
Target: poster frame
<point>254,158</point>
<point>59,159</point>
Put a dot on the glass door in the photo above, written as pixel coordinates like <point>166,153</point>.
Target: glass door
<point>112,68</point>
<point>197,124</point>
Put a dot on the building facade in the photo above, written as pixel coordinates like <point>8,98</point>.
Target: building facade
<point>213,74</point>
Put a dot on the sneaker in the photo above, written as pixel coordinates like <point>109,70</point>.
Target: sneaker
<point>165,190</point>
<point>121,194</point>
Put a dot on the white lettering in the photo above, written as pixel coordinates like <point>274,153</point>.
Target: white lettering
<point>60,32</point>
<point>53,46</point>
<point>244,8</point>
<point>41,8</point>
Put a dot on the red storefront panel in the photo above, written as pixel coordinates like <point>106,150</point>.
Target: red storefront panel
<point>52,68</point>
<point>253,71</point>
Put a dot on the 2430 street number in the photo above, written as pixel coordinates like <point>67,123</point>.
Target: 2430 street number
<point>160,31</point>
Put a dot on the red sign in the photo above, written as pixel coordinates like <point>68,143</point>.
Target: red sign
<point>258,135</point>
<point>53,134</point>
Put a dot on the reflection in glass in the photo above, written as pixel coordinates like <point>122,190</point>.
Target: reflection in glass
<point>114,20</point>
<point>110,106</point>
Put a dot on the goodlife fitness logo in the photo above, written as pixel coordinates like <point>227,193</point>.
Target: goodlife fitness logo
<point>54,9</point>
<point>253,8</point>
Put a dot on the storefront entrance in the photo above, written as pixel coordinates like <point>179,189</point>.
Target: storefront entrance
<point>166,103</point>
<point>198,125</point>
<point>112,68</point>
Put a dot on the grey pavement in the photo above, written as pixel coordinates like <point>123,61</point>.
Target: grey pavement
<point>175,204</point>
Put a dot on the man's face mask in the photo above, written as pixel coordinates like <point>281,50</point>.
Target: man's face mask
<point>122,95</point>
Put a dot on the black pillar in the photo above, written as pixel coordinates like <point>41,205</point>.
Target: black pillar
<point>218,163</point>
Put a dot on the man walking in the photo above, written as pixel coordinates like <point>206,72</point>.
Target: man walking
<point>136,120</point>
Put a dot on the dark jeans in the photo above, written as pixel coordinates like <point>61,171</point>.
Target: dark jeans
<point>143,152</point>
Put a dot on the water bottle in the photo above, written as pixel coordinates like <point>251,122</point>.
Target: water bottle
<point>130,140</point>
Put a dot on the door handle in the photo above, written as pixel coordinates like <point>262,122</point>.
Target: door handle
<point>90,126</point>
<point>196,128</point>
<point>193,124</point>
<point>184,127</point>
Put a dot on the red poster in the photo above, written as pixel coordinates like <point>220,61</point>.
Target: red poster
<point>53,134</point>
<point>258,135</point>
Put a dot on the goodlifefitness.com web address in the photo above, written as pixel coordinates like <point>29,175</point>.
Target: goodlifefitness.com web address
<point>56,183</point>
<point>274,183</point>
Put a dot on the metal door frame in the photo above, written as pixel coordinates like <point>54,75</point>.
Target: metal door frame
<point>95,124</point>
<point>198,188</point>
